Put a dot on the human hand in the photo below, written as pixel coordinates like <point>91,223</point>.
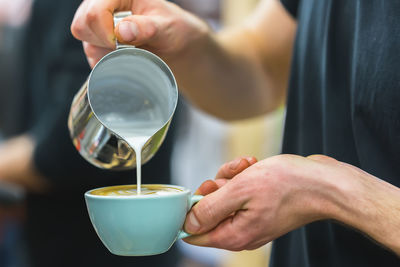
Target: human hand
<point>226,172</point>
<point>16,166</point>
<point>265,201</point>
<point>159,26</point>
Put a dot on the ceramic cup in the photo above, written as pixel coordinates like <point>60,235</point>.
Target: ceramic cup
<point>140,225</point>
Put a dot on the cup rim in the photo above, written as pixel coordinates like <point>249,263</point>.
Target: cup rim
<point>184,191</point>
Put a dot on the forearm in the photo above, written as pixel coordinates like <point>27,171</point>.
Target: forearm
<point>240,72</point>
<point>383,223</point>
<point>370,205</point>
<point>225,83</point>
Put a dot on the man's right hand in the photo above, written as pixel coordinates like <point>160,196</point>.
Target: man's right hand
<point>158,26</point>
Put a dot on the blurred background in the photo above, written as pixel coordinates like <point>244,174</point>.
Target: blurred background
<point>43,220</point>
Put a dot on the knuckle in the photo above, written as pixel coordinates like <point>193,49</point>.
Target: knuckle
<point>279,164</point>
<point>77,29</point>
<point>225,167</point>
<point>151,31</point>
<point>282,160</point>
<point>317,156</point>
<point>92,16</point>
<point>225,170</point>
<point>321,158</point>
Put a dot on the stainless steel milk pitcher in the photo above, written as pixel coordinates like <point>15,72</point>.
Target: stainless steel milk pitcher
<point>141,74</point>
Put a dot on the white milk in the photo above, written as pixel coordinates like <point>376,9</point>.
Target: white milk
<point>135,117</point>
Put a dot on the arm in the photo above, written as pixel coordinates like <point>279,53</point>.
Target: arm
<point>234,74</point>
<point>16,166</point>
<point>244,70</point>
<point>282,193</point>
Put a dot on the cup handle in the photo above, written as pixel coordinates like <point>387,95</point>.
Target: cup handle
<point>118,16</point>
<point>193,200</point>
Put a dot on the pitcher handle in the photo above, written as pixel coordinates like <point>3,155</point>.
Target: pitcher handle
<point>118,16</point>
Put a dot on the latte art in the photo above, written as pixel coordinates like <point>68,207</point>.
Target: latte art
<point>131,190</point>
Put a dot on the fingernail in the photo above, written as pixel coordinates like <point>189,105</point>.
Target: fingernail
<point>128,31</point>
<point>234,164</point>
<point>193,224</point>
<point>249,159</point>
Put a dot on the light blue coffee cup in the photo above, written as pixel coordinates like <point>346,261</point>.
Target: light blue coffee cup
<point>140,225</point>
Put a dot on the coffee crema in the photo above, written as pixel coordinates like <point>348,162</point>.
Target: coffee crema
<point>131,190</point>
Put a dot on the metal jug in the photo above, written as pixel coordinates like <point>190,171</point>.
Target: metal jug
<point>135,71</point>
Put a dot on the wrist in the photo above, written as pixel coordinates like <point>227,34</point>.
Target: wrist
<point>366,203</point>
<point>194,36</point>
<point>323,190</point>
<point>308,190</point>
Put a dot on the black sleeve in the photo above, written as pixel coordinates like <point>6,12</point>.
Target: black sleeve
<point>291,6</point>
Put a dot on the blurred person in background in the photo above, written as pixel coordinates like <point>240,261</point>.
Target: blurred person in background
<point>13,16</point>
<point>342,102</point>
<point>38,156</point>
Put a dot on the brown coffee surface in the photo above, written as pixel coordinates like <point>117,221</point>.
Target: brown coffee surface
<point>131,190</point>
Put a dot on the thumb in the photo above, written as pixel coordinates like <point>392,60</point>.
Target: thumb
<point>213,209</point>
<point>137,29</point>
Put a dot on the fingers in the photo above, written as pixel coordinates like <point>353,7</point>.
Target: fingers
<point>79,27</point>
<point>205,215</point>
<point>232,234</point>
<point>100,19</point>
<point>206,188</point>
<point>226,172</point>
<point>230,169</point>
<point>221,182</point>
<point>252,160</point>
<point>213,209</point>
<point>93,21</point>
<point>94,53</point>
<point>210,239</point>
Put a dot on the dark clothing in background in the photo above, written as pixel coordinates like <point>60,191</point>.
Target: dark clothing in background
<point>10,70</point>
<point>344,102</point>
<point>58,227</point>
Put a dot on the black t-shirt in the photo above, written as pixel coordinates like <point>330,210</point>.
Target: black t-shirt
<point>344,102</point>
